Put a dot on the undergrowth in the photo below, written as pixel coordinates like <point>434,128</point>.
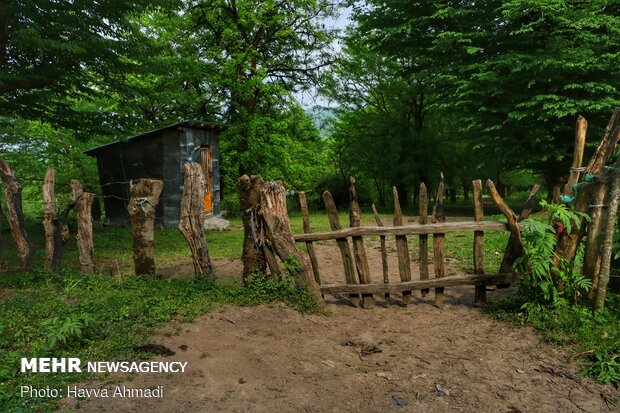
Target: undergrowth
<point>96,317</point>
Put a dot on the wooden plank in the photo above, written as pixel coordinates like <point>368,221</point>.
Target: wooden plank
<point>423,211</point>
<point>361,262</point>
<point>457,280</point>
<point>415,229</point>
<point>402,249</point>
<point>439,243</point>
<point>341,241</point>
<point>481,291</point>
<point>384,258</point>
<point>303,204</point>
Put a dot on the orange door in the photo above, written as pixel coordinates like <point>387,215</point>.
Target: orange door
<point>207,170</point>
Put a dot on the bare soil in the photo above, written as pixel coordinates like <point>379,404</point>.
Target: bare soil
<point>392,358</point>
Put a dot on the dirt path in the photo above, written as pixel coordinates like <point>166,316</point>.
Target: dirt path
<point>389,359</point>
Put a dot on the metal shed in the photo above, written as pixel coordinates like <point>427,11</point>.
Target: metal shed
<point>159,154</point>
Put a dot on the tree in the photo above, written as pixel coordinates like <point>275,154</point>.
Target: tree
<point>50,50</point>
<point>258,52</point>
<point>516,72</point>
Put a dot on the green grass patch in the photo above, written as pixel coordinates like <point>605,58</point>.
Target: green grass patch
<point>593,337</point>
<point>96,317</point>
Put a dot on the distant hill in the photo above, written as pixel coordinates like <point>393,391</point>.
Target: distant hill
<point>322,115</point>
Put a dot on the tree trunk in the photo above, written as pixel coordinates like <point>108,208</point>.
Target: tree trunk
<point>567,244</point>
<point>15,216</point>
<point>280,237</point>
<point>610,227</point>
<point>142,204</point>
<point>4,265</point>
<point>51,223</point>
<point>83,206</point>
<point>249,201</point>
<point>192,218</point>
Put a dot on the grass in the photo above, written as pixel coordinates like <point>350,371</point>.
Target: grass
<point>103,318</point>
<point>592,337</point>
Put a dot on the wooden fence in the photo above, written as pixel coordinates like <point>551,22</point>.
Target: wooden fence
<point>357,276</point>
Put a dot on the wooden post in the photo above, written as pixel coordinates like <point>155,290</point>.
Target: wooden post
<point>612,215</point>
<point>303,204</point>
<point>343,245</point>
<point>586,196</point>
<point>249,200</point>
<point>191,220</point>
<point>581,131</point>
<point>4,265</point>
<point>83,207</point>
<point>481,290</point>
<point>438,243</point>
<point>361,262</point>
<point>51,223</point>
<point>278,232</point>
<point>144,197</point>
<point>423,211</point>
<point>384,258</point>
<point>512,248</point>
<point>15,216</point>
<point>402,249</point>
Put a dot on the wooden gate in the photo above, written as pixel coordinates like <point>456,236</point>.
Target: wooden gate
<point>355,263</point>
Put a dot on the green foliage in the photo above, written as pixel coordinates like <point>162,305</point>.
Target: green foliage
<point>550,280</point>
<point>594,337</point>
<point>67,331</point>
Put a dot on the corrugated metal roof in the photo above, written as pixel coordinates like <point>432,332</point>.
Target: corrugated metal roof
<point>197,124</point>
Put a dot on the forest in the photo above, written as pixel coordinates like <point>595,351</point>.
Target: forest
<point>405,91</point>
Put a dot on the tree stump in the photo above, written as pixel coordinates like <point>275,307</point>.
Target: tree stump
<point>83,206</point>
<point>144,195</point>
<point>278,234</point>
<point>15,216</point>
<point>191,220</point>
<point>51,223</point>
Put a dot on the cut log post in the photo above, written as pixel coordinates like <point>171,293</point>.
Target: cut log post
<point>595,231</point>
<point>384,257</point>
<point>83,207</point>
<point>359,252</point>
<point>587,195</point>
<point>191,219</point>
<point>402,249</point>
<point>144,197</point>
<point>481,290</point>
<point>423,211</point>
<point>303,204</point>
<point>343,245</point>
<point>15,216</point>
<point>51,223</point>
<point>610,227</point>
<point>512,249</point>
<point>4,265</point>
<point>581,131</point>
<point>253,257</point>
<point>438,243</point>
<point>280,237</point>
